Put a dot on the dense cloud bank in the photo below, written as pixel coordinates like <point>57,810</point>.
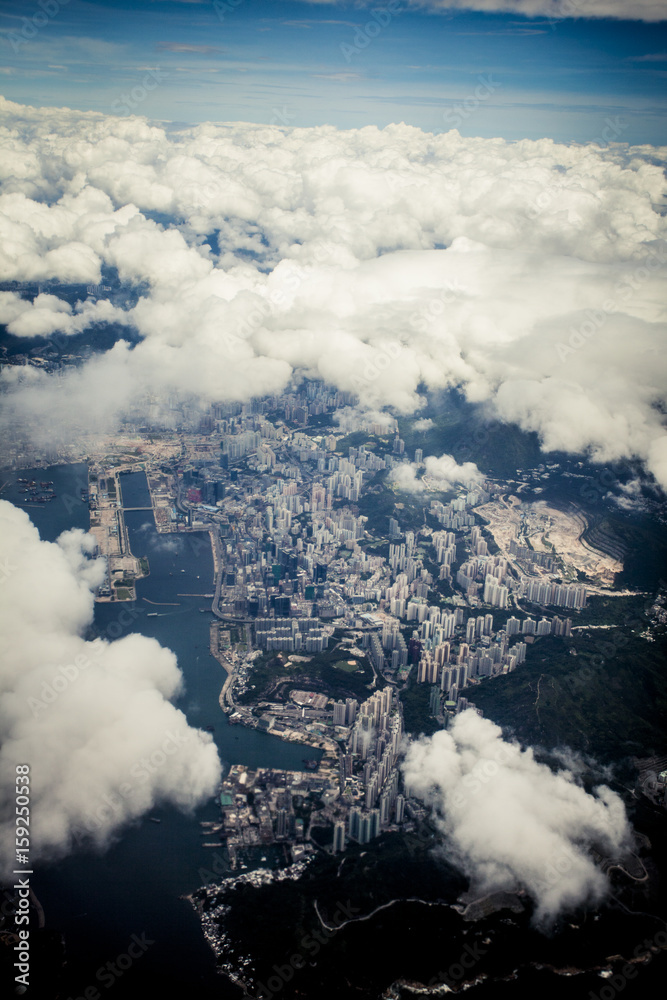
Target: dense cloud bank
<point>530,275</point>
<point>510,822</point>
<point>93,720</point>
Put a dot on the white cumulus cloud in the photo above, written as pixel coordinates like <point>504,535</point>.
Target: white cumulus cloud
<point>555,10</point>
<point>510,822</point>
<point>441,473</point>
<point>390,262</point>
<point>93,720</point>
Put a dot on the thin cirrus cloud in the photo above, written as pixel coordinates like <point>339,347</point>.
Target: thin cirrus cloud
<point>527,275</point>
<point>631,10</point>
<point>187,49</point>
<point>338,77</point>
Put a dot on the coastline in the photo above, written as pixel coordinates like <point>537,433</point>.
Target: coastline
<point>227,667</point>
<point>106,523</point>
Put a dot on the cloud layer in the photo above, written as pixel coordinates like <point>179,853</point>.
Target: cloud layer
<point>529,275</point>
<point>630,10</point>
<point>509,821</point>
<point>93,720</point>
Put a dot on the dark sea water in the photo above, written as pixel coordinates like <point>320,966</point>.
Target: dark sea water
<point>66,511</point>
<point>99,901</point>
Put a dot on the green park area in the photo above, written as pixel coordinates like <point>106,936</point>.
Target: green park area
<point>349,667</point>
<point>274,675</point>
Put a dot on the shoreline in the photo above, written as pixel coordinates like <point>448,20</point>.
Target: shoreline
<point>226,666</point>
<point>214,550</point>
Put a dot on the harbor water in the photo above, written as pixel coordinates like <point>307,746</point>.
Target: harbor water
<point>103,902</point>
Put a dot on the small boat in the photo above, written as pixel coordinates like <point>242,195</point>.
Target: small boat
<point>154,819</point>
<point>152,614</point>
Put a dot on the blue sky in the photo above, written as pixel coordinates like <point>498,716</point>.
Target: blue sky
<point>316,63</point>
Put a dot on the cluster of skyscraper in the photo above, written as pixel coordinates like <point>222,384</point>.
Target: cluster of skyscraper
<point>525,554</point>
<point>559,594</point>
<point>369,768</point>
<point>453,515</point>
<point>291,635</point>
<point>482,654</point>
<point>484,570</point>
<point>451,670</point>
<point>555,626</point>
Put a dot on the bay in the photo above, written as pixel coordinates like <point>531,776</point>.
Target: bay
<point>105,902</point>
